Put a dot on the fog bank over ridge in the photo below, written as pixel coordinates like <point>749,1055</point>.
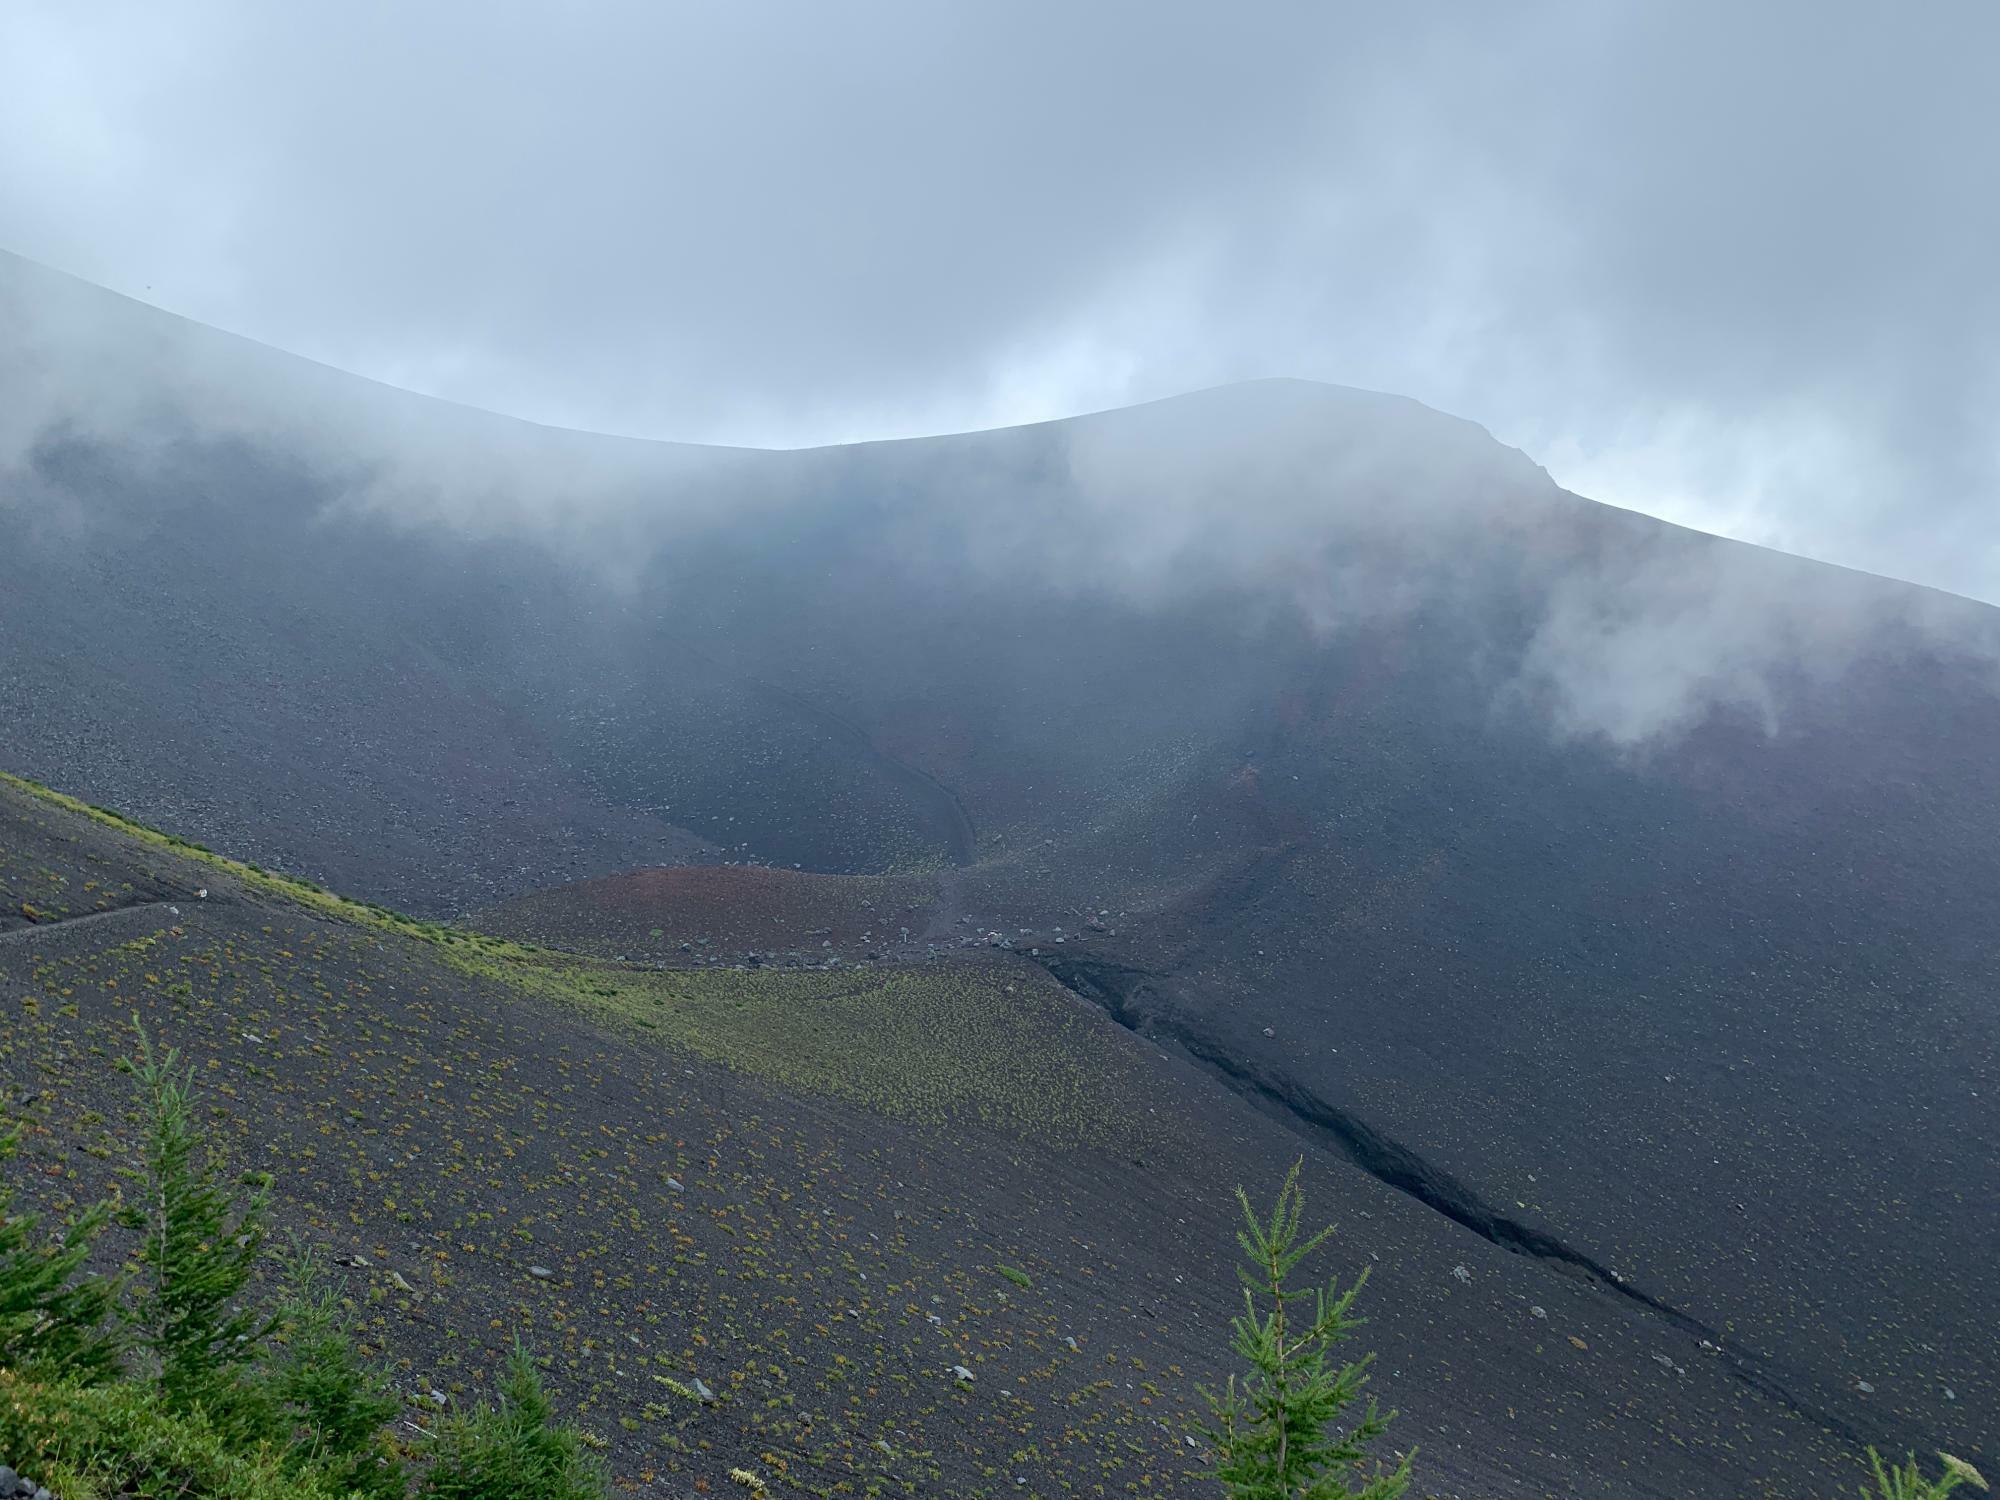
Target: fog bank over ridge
<point>1729,266</point>
<point>1345,508</point>
<point>1123,598</point>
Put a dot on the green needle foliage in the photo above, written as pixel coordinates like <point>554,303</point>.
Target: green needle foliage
<point>199,1244</point>
<point>1907,1482</point>
<point>335,1406</point>
<point>512,1448</point>
<point>234,1403</point>
<point>51,1317</point>
<point>118,1439</point>
<point>1273,1435</point>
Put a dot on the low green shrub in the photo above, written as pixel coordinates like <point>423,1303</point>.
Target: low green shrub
<point>199,1242</point>
<point>1273,1435</point>
<point>213,1395</point>
<point>53,1317</point>
<point>124,1439</point>
<point>513,1447</point>
<point>332,1406</point>
<point>1906,1481</point>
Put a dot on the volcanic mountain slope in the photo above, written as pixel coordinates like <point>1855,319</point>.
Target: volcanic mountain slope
<point>808,1193</point>
<point>1641,885</point>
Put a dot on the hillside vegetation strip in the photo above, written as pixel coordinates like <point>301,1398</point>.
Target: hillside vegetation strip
<point>935,1041</point>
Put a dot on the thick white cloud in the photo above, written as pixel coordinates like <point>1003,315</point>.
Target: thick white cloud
<point>1733,264</point>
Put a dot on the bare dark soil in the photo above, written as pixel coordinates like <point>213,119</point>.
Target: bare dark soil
<point>1225,724</point>
<point>727,914</point>
<point>817,1266</point>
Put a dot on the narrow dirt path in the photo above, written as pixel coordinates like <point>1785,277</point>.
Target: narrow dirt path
<point>20,935</point>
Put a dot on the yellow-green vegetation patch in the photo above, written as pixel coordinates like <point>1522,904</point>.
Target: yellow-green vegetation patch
<point>931,1042</point>
<point>121,1439</point>
<point>305,893</point>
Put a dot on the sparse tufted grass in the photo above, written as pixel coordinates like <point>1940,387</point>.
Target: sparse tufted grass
<point>946,1040</point>
<point>932,1042</point>
<point>732,1272</point>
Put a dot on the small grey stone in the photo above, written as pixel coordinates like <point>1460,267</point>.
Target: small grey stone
<point>9,1482</point>
<point>540,1273</point>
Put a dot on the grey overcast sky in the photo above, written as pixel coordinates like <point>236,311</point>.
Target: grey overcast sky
<point>1731,263</point>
